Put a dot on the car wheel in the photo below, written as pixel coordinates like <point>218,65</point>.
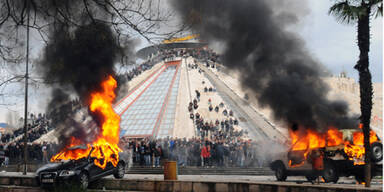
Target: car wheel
<point>120,171</point>
<point>360,178</point>
<point>83,180</point>
<point>376,152</point>
<point>330,173</point>
<point>280,172</point>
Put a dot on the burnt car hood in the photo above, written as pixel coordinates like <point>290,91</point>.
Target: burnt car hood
<point>68,165</point>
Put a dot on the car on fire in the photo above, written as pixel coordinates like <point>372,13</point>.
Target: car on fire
<point>79,172</point>
<point>328,162</point>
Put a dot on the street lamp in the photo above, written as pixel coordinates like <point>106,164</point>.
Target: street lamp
<point>26,97</point>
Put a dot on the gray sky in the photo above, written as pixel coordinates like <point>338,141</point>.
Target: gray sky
<point>332,44</point>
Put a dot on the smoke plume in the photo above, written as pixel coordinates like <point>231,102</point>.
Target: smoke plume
<point>273,61</point>
<point>77,61</point>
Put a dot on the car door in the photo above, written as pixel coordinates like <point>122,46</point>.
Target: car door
<point>109,169</point>
<point>95,171</point>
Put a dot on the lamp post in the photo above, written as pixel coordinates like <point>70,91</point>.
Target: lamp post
<point>26,98</point>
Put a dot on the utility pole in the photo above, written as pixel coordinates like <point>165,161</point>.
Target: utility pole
<point>26,98</point>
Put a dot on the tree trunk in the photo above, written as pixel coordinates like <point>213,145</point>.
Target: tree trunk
<point>365,80</point>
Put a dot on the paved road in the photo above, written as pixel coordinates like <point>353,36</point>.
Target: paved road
<point>256,124</point>
<point>344,182</point>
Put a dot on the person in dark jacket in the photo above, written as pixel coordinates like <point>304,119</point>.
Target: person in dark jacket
<point>142,153</point>
<point>147,155</point>
<point>220,154</point>
<point>197,95</point>
<point>158,152</point>
<point>197,115</point>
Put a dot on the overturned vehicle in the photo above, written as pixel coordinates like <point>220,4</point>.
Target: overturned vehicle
<point>80,172</point>
<point>331,155</point>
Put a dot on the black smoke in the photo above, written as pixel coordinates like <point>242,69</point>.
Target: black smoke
<point>76,61</point>
<point>273,61</point>
<point>81,59</point>
<point>59,108</point>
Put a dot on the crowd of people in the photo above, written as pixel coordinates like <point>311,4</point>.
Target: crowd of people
<point>12,143</point>
<point>37,126</point>
<point>198,53</point>
<point>199,152</point>
<point>216,152</point>
<point>137,70</point>
<point>36,152</point>
<point>223,128</point>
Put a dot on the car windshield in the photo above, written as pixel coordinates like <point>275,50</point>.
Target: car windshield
<point>74,148</point>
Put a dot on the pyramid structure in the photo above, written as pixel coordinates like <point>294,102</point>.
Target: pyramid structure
<point>156,104</point>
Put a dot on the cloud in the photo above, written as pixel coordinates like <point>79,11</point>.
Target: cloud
<point>334,44</point>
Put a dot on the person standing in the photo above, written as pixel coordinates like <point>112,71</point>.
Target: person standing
<point>6,156</point>
<point>147,155</point>
<point>220,154</point>
<point>197,95</point>
<point>142,153</point>
<point>205,154</point>
<point>130,154</point>
<point>158,152</point>
<point>44,149</point>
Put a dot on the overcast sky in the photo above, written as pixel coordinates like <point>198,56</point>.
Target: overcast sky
<point>331,43</point>
<point>334,44</point>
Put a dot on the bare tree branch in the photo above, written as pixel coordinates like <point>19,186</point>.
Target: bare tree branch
<point>11,79</point>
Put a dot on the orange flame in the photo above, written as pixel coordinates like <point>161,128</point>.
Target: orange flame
<point>357,150</point>
<point>334,137</point>
<point>295,165</point>
<point>306,140</point>
<point>105,147</point>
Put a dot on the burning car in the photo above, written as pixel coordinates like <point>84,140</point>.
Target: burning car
<point>330,155</point>
<point>82,162</point>
<point>80,171</point>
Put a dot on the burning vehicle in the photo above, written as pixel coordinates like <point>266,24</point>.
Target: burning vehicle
<point>82,162</point>
<point>81,171</point>
<point>331,155</point>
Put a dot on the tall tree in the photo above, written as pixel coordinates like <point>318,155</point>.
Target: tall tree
<point>361,12</point>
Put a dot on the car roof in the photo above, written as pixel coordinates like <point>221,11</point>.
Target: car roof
<point>78,147</point>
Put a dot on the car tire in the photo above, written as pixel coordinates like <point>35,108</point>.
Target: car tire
<point>83,180</point>
<point>280,172</point>
<point>330,173</point>
<point>376,152</point>
<point>360,177</point>
<point>120,171</point>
